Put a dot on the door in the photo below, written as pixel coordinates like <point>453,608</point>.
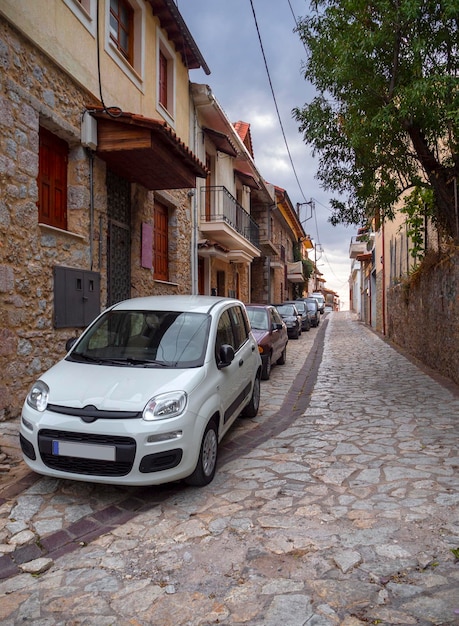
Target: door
<point>118,239</point>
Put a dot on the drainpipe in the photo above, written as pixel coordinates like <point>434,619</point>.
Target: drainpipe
<point>383,261</point>
<point>91,208</point>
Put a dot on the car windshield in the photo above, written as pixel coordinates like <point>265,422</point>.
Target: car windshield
<point>300,306</point>
<point>286,309</point>
<point>258,319</point>
<point>145,339</point>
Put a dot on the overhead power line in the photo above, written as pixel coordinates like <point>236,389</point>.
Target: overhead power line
<point>275,100</point>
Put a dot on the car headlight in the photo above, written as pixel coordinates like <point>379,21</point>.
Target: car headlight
<point>165,405</point>
<point>38,396</point>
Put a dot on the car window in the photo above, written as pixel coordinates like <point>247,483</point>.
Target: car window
<point>286,309</point>
<point>240,327</point>
<point>275,317</point>
<point>173,338</point>
<point>258,318</point>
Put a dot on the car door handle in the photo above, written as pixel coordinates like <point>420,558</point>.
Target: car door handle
<point>241,362</point>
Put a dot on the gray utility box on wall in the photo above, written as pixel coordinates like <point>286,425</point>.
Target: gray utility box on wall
<point>76,297</point>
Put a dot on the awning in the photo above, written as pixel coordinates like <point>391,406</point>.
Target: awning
<point>222,142</point>
<point>145,151</point>
<point>247,179</point>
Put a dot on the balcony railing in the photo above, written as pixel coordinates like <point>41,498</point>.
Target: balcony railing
<point>218,205</point>
<point>357,246</point>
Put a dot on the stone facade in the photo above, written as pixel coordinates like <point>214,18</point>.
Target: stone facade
<point>35,92</point>
<point>423,316</point>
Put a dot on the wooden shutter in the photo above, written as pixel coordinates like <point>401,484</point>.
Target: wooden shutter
<point>52,180</point>
<point>163,80</point>
<point>161,250</point>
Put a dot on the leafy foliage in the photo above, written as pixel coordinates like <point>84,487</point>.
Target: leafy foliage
<point>386,116</point>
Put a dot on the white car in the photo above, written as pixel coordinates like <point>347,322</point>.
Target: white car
<point>146,393</point>
<point>320,300</point>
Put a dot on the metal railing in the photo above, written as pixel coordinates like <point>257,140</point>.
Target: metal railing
<point>218,205</point>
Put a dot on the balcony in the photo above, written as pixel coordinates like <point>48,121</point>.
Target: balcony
<point>278,260</point>
<point>357,247</point>
<point>295,272</point>
<point>224,220</point>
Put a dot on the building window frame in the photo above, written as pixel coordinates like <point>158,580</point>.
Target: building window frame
<point>52,179</point>
<point>166,78</point>
<point>122,28</point>
<point>133,67</point>
<point>86,12</point>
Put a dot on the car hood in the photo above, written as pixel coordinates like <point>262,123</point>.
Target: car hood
<point>259,334</point>
<point>114,388</point>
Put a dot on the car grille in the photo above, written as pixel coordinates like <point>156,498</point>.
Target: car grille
<point>125,453</point>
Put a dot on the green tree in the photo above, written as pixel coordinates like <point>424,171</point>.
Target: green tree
<point>386,117</point>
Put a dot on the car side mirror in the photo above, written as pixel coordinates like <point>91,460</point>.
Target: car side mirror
<point>70,343</point>
<point>226,355</point>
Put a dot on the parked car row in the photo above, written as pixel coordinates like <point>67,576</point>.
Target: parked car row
<point>146,393</point>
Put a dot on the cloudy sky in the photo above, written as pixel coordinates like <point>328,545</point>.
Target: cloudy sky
<point>225,32</point>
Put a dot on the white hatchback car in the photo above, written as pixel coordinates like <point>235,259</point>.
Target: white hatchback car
<point>146,393</point>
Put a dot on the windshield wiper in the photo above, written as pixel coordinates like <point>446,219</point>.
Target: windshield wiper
<point>133,362</point>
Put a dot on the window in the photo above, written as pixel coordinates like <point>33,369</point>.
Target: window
<point>165,78</point>
<point>122,27</point>
<point>233,329</point>
<point>125,37</point>
<point>161,246</point>
<point>52,180</point>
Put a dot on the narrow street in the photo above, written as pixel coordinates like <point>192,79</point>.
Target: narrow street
<point>337,505</point>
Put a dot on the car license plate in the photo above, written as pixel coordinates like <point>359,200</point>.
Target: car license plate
<point>84,451</point>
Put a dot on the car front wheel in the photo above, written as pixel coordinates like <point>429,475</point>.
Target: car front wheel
<point>207,462</point>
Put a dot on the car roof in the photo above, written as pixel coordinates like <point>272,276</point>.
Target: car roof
<point>192,303</point>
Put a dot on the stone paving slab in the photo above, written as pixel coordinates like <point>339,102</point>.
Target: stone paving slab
<point>340,507</point>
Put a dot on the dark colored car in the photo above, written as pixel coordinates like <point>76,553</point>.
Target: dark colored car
<point>271,334</point>
<point>304,312</point>
<point>314,310</point>
<point>291,317</point>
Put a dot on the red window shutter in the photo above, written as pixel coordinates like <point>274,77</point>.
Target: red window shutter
<point>161,251</point>
<point>163,80</point>
<point>52,180</point>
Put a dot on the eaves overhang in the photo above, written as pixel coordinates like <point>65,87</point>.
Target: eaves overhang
<point>173,23</point>
<point>145,151</point>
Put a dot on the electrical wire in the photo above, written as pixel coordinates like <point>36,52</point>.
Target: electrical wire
<point>275,101</point>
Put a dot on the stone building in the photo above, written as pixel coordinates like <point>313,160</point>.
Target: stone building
<point>229,201</point>
<point>95,169</point>
<point>279,274</point>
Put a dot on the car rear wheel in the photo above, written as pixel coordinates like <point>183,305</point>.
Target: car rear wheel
<point>207,462</point>
<point>252,408</point>
<point>266,369</point>
<point>281,360</point>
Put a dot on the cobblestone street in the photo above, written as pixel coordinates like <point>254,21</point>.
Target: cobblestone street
<point>337,505</point>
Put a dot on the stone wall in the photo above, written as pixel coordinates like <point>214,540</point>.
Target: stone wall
<point>35,92</point>
<point>423,316</point>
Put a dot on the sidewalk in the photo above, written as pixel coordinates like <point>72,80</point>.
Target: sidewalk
<point>345,513</point>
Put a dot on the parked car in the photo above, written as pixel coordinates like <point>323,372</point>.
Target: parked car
<point>328,308</point>
<point>314,310</point>
<point>304,313</point>
<point>271,334</point>
<point>146,393</point>
<point>320,299</point>
<point>292,319</point>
